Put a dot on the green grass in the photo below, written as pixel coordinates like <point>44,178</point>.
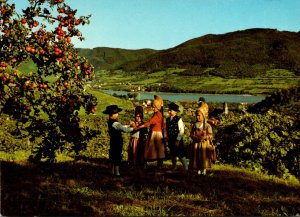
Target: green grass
<point>105,100</point>
<point>85,187</point>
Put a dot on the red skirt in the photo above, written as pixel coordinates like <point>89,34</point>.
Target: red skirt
<point>155,148</point>
<point>135,152</point>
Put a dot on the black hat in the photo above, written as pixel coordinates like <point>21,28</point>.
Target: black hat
<point>174,107</point>
<point>112,109</point>
<point>139,110</point>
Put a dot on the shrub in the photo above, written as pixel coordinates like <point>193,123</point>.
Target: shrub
<point>264,142</point>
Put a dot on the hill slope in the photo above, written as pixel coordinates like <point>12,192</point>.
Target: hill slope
<point>110,58</point>
<point>240,54</point>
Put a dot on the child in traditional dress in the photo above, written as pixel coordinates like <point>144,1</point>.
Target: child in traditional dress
<point>154,148</point>
<point>175,132</point>
<point>201,134</point>
<point>138,140</point>
<point>205,109</point>
<point>115,130</point>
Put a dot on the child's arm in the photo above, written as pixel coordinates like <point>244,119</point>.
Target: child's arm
<point>154,119</point>
<point>181,129</point>
<point>209,132</point>
<point>192,133</point>
<point>119,126</point>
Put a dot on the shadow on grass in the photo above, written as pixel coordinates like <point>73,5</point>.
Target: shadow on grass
<point>85,187</point>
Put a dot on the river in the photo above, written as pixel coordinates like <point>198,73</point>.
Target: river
<point>175,97</point>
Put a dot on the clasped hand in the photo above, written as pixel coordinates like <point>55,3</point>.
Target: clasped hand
<point>199,138</point>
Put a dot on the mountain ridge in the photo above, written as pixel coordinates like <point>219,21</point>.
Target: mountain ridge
<point>242,53</point>
<point>246,53</point>
<point>110,58</point>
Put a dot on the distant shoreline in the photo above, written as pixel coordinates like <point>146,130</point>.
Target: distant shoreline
<point>218,98</point>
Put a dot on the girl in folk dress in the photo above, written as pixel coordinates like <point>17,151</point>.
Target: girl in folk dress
<point>201,134</point>
<point>204,107</point>
<point>154,148</point>
<point>138,140</point>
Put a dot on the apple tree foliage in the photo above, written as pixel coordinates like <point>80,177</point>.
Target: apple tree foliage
<point>45,102</point>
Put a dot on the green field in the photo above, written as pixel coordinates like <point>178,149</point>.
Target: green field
<point>172,81</point>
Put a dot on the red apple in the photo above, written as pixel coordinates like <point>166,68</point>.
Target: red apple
<point>36,23</point>
<point>94,109</point>
<point>24,20</point>
<point>77,22</point>
<point>61,10</point>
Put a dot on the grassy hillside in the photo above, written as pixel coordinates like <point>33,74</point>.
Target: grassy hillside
<point>105,100</point>
<point>82,185</point>
<point>86,188</point>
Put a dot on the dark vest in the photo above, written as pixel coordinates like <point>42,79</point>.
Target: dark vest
<point>115,135</point>
<point>172,127</point>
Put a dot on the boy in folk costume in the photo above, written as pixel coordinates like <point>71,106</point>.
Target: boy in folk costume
<point>138,139</point>
<point>115,130</point>
<point>154,148</point>
<point>201,134</point>
<point>175,132</point>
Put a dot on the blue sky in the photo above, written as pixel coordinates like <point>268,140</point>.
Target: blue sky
<point>162,24</point>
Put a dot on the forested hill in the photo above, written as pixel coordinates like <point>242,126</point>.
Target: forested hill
<point>239,54</point>
<point>110,58</point>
